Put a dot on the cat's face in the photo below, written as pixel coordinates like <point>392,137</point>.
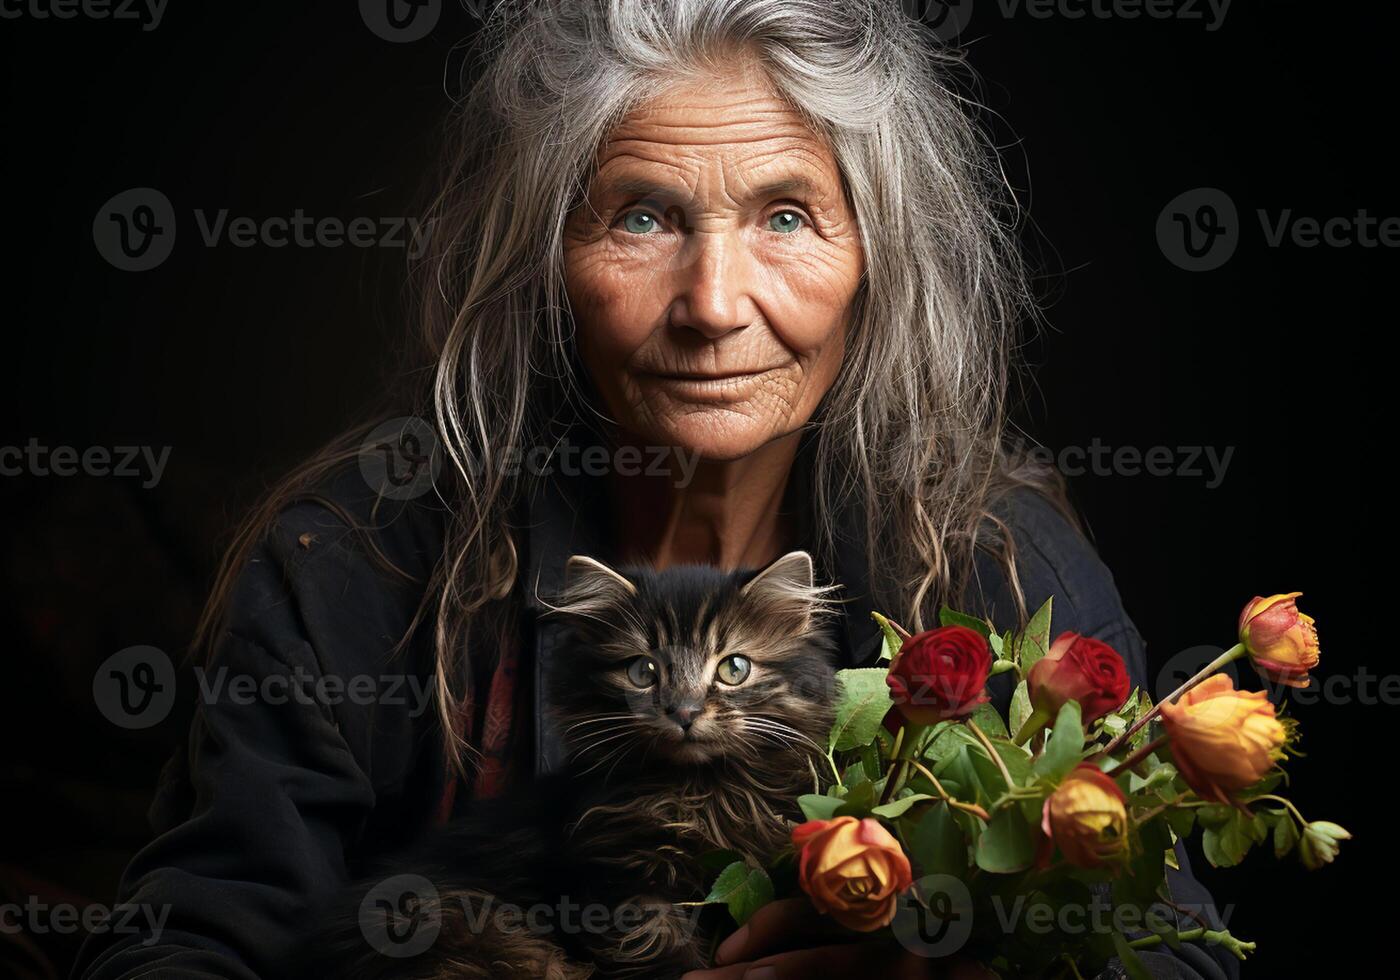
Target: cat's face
<point>694,665</point>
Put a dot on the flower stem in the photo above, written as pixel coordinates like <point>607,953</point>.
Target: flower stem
<point>907,739</point>
<point>1228,657</point>
<point>1237,947</point>
<point>1136,757</point>
<point>991,750</point>
<point>947,797</point>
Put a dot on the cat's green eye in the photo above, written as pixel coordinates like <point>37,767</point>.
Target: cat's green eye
<point>642,672</point>
<point>733,669</point>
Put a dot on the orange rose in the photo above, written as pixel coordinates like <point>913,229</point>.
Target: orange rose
<point>1282,642</point>
<point>1086,817</point>
<point>1222,739</point>
<point>853,870</point>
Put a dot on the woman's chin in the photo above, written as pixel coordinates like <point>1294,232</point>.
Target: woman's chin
<point>719,434</point>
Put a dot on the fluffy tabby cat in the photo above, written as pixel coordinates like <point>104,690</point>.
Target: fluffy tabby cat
<point>694,703</point>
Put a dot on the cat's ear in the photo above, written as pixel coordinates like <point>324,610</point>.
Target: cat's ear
<point>588,579</point>
<point>786,588</point>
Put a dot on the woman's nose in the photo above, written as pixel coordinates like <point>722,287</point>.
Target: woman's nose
<point>715,295</point>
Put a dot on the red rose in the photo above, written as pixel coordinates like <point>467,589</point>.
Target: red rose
<point>940,674</point>
<point>1078,668</point>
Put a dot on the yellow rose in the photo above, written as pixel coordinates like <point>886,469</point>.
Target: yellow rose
<point>1222,740</point>
<point>852,870</point>
<point>1086,818</point>
<point>1282,642</point>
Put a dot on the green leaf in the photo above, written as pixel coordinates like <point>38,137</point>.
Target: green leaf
<point>816,807</point>
<point>893,641</point>
<point>1033,641</point>
<point>999,648</point>
<point>897,808</point>
<point>1285,835</point>
<point>859,800</point>
<point>744,889</point>
<point>863,700</point>
<point>1226,842</point>
<point>987,718</point>
<point>1006,847</point>
<point>951,617</point>
<point>1180,820</point>
<point>1066,745</point>
<point>937,844</point>
<point>1020,706</point>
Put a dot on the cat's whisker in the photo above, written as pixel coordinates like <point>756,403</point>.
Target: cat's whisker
<point>598,719</point>
<point>600,742</point>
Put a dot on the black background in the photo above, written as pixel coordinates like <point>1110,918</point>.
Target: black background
<point>243,360</point>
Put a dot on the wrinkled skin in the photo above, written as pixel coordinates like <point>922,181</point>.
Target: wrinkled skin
<point>712,270</point>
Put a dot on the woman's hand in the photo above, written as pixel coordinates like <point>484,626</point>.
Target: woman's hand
<point>776,944</point>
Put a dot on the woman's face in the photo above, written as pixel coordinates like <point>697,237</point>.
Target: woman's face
<point>712,270</point>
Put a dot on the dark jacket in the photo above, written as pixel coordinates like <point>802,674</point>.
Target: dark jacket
<point>274,801</point>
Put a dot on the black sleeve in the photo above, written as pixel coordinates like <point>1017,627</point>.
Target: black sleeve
<point>272,787</point>
<point>260,814</point>
<point>1053,559</point>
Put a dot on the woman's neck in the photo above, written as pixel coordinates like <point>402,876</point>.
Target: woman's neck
<point>724,512</point>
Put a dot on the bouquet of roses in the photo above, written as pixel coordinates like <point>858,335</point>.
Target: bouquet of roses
<point>963,833</point>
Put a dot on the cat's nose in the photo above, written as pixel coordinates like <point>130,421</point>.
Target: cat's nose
<point>684,715</point>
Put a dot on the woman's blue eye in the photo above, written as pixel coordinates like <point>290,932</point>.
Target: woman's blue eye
<point>785,221</point>
<point>639,222</point>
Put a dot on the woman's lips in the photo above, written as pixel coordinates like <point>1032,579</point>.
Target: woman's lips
<point>731,387</point>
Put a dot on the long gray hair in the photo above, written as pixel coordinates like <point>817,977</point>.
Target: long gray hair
<point>912,431</point>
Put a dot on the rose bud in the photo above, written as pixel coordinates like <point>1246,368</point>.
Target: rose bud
<point>1318,845</point>
<point>1078,668</point>
<point>852,870</point>
<point>1087,818</point>
<point>1282,642</point>
<point>940,674</point>
<point>1222,740</point>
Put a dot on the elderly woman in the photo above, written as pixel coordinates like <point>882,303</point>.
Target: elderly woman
<point>710,280</point>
